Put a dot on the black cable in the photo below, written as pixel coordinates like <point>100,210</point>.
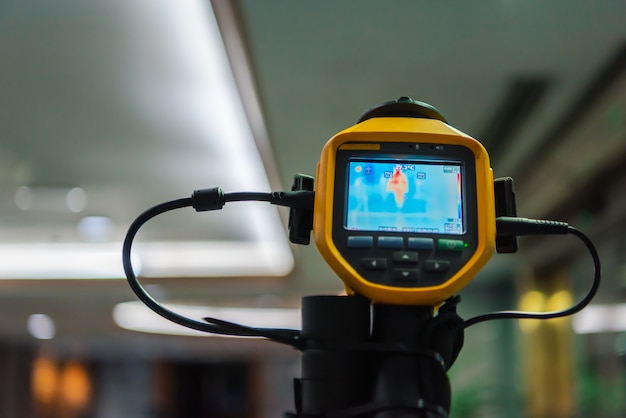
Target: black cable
<point>246,196</point>
<point>556,314</point>
<point>215,198</point>
<point>289,337</point>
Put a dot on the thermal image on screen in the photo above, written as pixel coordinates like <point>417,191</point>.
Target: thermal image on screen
<point>404,197</point>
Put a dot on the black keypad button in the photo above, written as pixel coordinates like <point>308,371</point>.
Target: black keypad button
<point>374,263</point>
<point>436,266</point>
<point>360,241</point>
<point>418,243</point>
<point>405,275</point>
<point>405,257</point>
<point>390,242</point>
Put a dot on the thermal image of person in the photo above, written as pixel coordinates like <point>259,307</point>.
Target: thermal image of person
<point>398,185</point>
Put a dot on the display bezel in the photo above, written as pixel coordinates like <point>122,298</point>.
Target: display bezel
<point>403,152</point>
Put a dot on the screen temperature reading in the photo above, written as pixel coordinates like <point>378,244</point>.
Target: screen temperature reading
<point>419,197</point>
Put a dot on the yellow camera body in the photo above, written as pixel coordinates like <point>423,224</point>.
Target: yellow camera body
<point>404,209</point>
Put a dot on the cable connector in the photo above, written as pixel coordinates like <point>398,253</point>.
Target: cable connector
<point>513,226</point>
<point>214,198</point>
<point>208,199</point>
<point>299,199</point>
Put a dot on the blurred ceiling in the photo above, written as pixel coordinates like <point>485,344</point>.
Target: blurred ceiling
<point>110,99</point>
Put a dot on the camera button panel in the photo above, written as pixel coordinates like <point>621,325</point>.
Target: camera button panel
<point>406,261</point>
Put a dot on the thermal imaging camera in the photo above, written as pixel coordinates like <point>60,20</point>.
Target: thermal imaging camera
<point>404,205</point>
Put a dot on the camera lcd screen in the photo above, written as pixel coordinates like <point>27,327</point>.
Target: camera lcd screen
<point>404,196</point>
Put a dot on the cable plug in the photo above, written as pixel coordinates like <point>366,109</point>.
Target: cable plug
<point>298,199</point>
<point>513,226</point>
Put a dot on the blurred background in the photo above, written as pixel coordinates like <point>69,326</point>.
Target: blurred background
<point>110,107</point>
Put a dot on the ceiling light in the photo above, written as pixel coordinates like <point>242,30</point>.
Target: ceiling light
<point>135,316</point>
<point>41,326</point>
<point>96,228</point>
<point>182,83</point>
<point>76,199</point>
<point>155,259</point>
<point>50,199</point>
<point>600,318</point>
<point>62,261</point>
<point>23,198</point>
